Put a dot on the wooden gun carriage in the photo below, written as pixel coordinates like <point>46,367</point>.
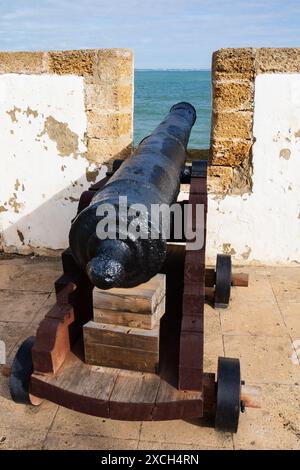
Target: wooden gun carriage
<point>53,366</point>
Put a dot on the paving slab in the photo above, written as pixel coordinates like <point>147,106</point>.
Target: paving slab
<point>87,442</point>
<point>276,425</point>
<point>264,359</point>
<point>261,327</point>
<point>68,421</point>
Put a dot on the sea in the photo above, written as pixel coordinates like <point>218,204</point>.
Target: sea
<point>157,90</point>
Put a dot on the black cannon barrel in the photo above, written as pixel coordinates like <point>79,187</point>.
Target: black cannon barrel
<point>150,176</point>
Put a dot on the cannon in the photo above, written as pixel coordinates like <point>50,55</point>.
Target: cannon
<point>150,176</point>
<point>54,364</point>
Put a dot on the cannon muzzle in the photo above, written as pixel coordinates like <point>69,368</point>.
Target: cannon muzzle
<point>151,176</point>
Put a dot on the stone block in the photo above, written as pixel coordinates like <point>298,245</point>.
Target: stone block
<point>114,65</point>
<point>23,62</point>
<point>107,125</point>
<point>108,150</point>
<point>233,96</point>
<point>72,62</point>
<point>112,97</point>
<point>232,125</point>
<point>230,152</point>
<point>272,60</point>
<point>219,179</point>
<point>233,64</point>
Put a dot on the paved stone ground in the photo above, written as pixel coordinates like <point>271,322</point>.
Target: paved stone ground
<point>261,327</point>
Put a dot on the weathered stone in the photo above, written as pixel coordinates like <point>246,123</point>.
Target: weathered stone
<point>219,179</point>
<point>232,120</point>
<point>108,96</point>
<point>233,96</point>
<point>105,125</point>
<point>72,62</point>
<point>284,59</point>
<point>230,152</point>
<point>22,62</point>
<point>232,125</point>
<point>114,65</point>
<point>233,64</point>
<point>108,150</point>
<point>242,178</point>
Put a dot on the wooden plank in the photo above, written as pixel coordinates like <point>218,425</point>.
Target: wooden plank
<point>141,299</point>
<point>63,296</point>
<point>82,301</point>
<point>80,388</point>
<point>190,378</point>
<point>237,279</point>
<point>193,305</point>
<point>190,370</point>
<point>176,404</point>
<point>172,403</point>
<point>62,325</point>
<point>122,347</point>
<point>192,323</point>
<point>66,279</point>
<point>191,349</point>
<point>121,336</point>
<point>52,343</point>
<point>198,186</point>
<point>129,319</point>
<point>121,357</point>
<point>251,395</point>
<point>107,392</point>
<point>240,279</point>
<point>135,388</point>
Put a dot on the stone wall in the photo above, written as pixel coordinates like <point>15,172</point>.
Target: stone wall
<point>65,116</point>
<point>234,72</point>
<point>254,200</point>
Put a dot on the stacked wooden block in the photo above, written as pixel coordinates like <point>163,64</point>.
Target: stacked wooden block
<point>125,330</point>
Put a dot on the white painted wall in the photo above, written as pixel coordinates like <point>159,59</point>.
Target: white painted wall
<point>40,187</point>
<point>41,180</point>
<point>265,226</point>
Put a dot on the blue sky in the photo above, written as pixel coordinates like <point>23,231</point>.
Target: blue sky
<point>162,33</point>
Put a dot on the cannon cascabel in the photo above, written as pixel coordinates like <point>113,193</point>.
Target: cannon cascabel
<point>150,176</point>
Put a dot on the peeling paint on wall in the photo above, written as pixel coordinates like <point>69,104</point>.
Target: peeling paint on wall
<point>12,113</point>
<point>17,184</point>
<point>14,204</point>
<point>38,191</point>
<point>27,112</point>
<point>91,175</point>
<point>65,139</point>
<point>31,112</point>
<point>245,255</point>
<point>285,153</point>
<point>228,250</point>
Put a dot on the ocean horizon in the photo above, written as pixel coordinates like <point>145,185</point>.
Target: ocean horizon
<point>171,70</point>
<point>156,90</point>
